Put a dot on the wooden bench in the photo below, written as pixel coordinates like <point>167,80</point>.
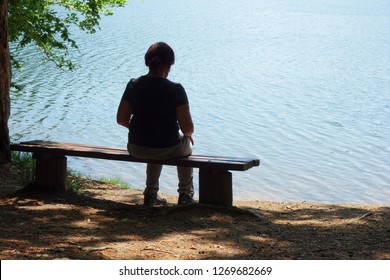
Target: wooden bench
<point>215,180</point>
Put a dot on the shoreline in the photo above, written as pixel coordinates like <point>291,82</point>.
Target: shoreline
<point>11,182</point>
<point>105,222</point>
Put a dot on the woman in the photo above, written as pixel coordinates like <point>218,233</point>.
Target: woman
<point>155,110</point>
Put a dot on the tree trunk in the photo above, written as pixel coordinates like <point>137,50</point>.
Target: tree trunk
<point>5,81</point>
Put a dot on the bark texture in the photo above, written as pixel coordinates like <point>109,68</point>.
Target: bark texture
<point>5,81</point>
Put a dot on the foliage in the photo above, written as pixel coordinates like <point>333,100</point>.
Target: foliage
<point>115,181</point>
<point>47,24</point>
<point>26,163</point>
<point>75,181</point>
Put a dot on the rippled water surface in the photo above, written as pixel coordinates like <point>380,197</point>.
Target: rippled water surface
<point>302,85</point>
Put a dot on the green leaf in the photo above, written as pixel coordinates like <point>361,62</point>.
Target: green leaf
<point>47,25</point>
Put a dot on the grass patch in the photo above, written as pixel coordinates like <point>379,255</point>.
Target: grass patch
<point>115,181</point>
<point>26,163</point>
<point>75,181</point>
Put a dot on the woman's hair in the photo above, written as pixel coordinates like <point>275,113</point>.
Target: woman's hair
<point>158,55</point>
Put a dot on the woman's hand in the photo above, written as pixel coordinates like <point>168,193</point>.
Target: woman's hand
<point>191,139</point>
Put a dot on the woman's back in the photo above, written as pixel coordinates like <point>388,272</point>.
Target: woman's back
<point>154,101</point>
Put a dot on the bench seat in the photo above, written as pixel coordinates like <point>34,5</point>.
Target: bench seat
<point>215,180</point>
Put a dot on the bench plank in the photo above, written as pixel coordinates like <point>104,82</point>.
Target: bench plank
<point>119,154</point>
<point>215,180</point>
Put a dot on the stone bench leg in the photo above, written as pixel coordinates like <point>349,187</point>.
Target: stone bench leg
<point>215,187</point>
<point>50,171</point>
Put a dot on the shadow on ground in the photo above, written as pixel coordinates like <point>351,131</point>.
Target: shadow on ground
<point>39,224</point>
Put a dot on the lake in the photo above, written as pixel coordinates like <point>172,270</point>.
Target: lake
<point>302,85</point>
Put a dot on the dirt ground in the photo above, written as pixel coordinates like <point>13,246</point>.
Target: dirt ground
<point>107,222</point>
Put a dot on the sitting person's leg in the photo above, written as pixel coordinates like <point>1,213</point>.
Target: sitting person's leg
<point>186,188</point>
<point>153,171</point>
<point>151,197</point>
<point>185,175</point>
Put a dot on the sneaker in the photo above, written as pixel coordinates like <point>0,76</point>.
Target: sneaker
<point>151,200</point>
<point>185,199</point>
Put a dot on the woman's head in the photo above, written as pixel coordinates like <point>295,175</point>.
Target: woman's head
<point>159,55</point>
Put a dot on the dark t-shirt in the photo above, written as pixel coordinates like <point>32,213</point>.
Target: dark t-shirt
<point>154,101</point>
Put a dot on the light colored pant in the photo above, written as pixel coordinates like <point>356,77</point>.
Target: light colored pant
<point>153,171</point>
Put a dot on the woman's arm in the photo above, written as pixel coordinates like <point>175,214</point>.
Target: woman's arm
<point>185,121</point>
<point>124,113</point>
